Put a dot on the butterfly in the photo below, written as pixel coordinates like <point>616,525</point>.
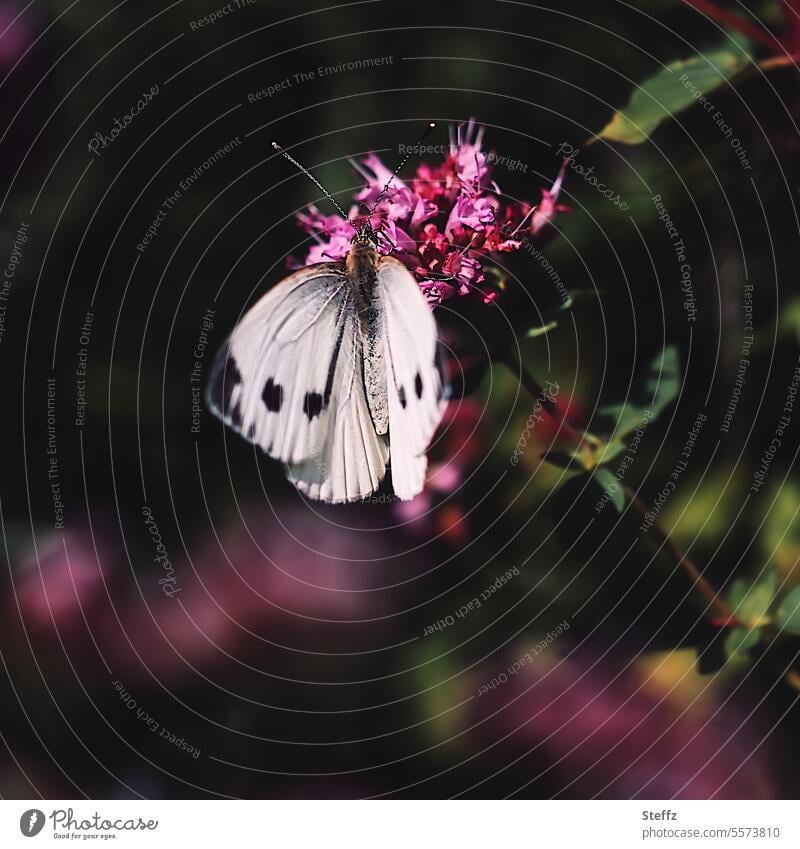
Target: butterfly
<point>338,372</point>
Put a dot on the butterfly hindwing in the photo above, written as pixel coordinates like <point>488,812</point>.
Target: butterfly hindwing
<point>416,383</point>
<point>348,459</point>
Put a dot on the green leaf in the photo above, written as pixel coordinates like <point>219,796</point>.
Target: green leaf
<point>737,592</point>
<point>442,688</point>
<point>578,296</point>
<point>664,380</point>
<point>540,331</point>
<point>788,615</point>
<point>609,451</point>
<point>751,603</point>
<point>739,641</point>
<point>780,538</point>
<point>790,318</point>
<point>611,487</point>
<point>563,459</point>
<point>661,387</point>
<point>674,89</point>
<point>625,417</point>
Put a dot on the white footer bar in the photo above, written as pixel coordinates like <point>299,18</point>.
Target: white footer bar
<point>400,824</point>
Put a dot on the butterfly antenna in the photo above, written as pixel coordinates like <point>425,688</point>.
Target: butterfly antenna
<point>313,179</point>
<point>523,222</point>
<point>428,130</point>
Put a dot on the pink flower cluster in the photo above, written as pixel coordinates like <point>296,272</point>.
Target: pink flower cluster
<point>446,224</point>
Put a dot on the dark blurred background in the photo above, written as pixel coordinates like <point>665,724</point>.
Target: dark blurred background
<point>284,649</point>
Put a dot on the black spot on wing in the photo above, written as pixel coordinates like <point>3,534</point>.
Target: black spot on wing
<point>273,396</point>
<point>443,389</point>
<point>312,404</point>
<point>418,385</point>
<point>225,379</point>
<point>401,394</point>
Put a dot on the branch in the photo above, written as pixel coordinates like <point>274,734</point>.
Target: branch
<point>537,392</point>
<point>702,585</point>
<point>699,582</point>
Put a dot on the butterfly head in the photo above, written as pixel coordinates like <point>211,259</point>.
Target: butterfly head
<point>365,237</point>
<point>363,254</point>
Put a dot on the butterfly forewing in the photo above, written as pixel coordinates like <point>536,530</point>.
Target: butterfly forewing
<point>280,352</point>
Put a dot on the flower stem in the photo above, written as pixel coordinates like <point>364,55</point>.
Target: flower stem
<point>778,62</point>
<point>701,584</point>
<point>537,392</point>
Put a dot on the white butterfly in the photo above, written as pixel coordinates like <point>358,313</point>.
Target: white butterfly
<point>337,372</point>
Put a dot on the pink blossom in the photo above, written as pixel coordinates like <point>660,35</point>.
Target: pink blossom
<point>608,734</point>
<point>465,148</point>
<point>549,206</point>
<point>16,32</point>
<point>59,583</point>
<point>470,210</point>
<point>331,234</point>
<point>263,578</point>
<point>377,175</point>
<point>447,224</point>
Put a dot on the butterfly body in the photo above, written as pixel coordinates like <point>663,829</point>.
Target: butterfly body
<point>335,371</point>
<point>362,277</point>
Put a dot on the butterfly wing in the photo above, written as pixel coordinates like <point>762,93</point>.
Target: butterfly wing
<point>417,387</point>
<point>348,458</point>
<point>288,380</point>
